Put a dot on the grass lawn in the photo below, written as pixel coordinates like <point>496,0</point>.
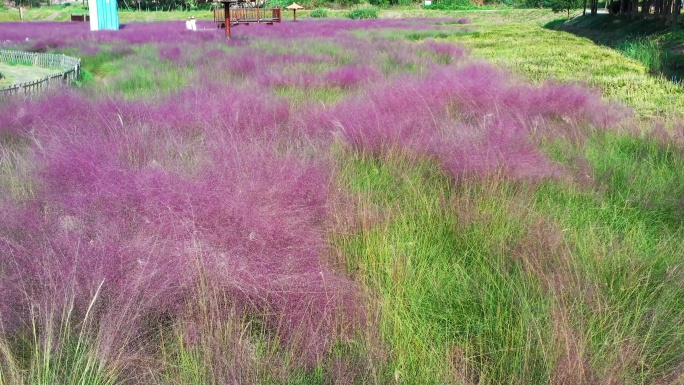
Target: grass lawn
<point>381,201</point>
<point>547,54</point>
<point>15,74</point>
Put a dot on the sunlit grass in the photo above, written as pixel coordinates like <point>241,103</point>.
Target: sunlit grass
<point>623,236</point>
<point>554,55</point>
<point>454,304</point>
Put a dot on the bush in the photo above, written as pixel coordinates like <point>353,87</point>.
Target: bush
<point>347,3</point>
<point>366,13</point>
<point>278,3</point>
<point>535,4</point>
<point>564,5</point>
<point>319,13</point>
<point>451,7</point>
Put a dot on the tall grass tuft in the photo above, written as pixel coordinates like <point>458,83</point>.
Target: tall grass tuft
<point>645,50</point>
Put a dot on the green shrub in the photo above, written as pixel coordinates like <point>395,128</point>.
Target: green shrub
<point>389,3</point>
<point>347,3</point>
<point>451,5</point>
<point>365,13</point>
<point>278,3</point>
<point>319,13</point>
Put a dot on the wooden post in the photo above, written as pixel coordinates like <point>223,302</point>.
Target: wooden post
<point>226,7</point>
<point>21,13</point>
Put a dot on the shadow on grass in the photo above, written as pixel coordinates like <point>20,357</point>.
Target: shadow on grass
<point>621,31</point>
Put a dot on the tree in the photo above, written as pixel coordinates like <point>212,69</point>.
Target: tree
<point>564,5</point>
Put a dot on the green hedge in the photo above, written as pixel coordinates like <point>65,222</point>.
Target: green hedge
<point>319,13</point>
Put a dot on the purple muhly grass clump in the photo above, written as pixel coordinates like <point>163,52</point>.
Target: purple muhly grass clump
<point>446,52</point>
<point>227,111</point>
<point>47,44</point>
<point>87,49</point>
<point>266,219</point>
<point>390,116</point>
<point>500,145</point>
<point>678,136</point>
<point>297,79</point>
<point>574,103</point>
<point>169,53</point>
<point>242,64</point>
<point>89,230</point>
<point>264,70</point>
<point>349,76</point>
<point>471,118</point>
<point>113,213</point>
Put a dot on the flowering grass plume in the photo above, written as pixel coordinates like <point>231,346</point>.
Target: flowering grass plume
<point>473,119</point>
<point>131,202</point>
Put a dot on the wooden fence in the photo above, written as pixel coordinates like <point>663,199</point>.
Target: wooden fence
<point>69,67</point>
<point>247,15</point>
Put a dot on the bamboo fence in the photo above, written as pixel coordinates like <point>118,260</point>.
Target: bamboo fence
<point>69,68</point>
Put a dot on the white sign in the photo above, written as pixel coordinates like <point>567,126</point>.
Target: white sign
<point>92,10</point>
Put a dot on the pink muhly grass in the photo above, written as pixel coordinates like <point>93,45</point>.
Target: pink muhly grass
<point>170,53</point>
<point>243,64</point>
<point>88,49</point>
<point>299,79</point>
<point>47,44</point>
<point>349,76</point>
<point>471,118</point>
<point>110,211</point>
<point>273,70</point>
<point>446,52</point>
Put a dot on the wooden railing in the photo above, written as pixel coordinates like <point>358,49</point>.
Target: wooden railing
<point>247,15</point>
<point>69,68</point>
<point>81,18</point>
